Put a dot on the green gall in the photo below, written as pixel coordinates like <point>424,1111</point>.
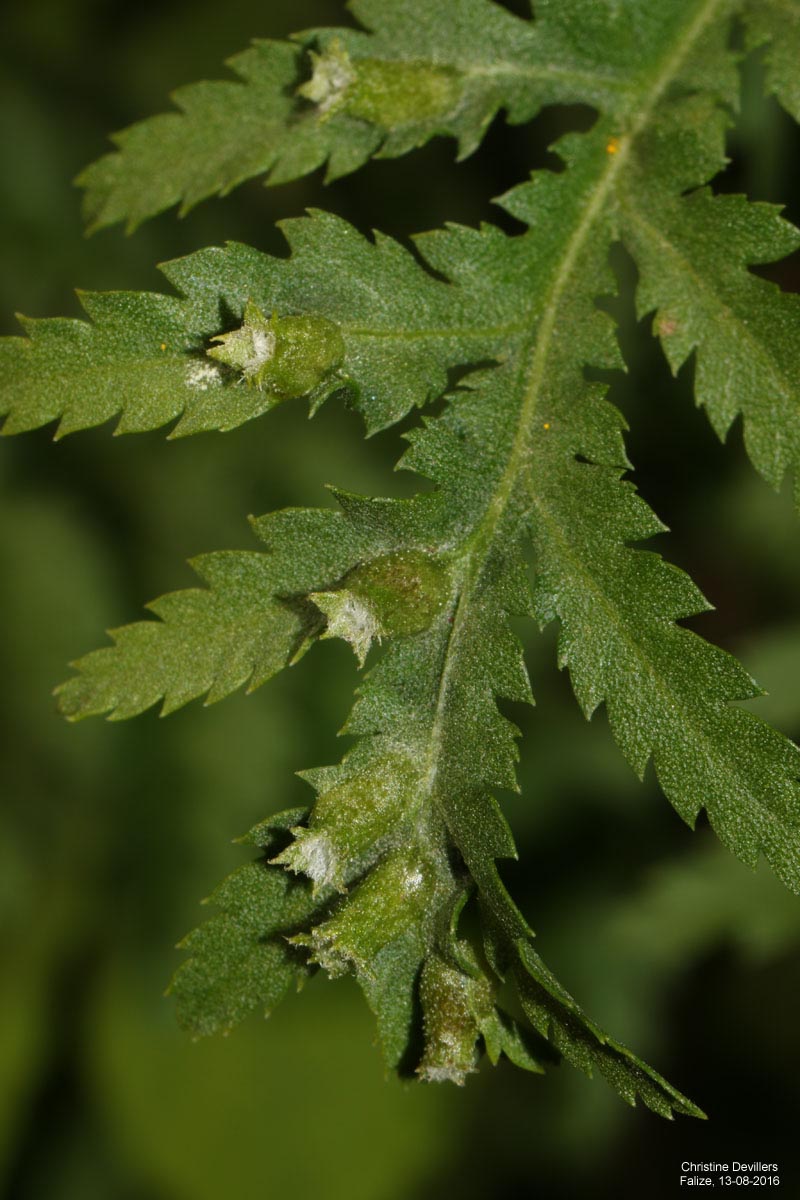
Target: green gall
<point>287,356</point>
<point>352,822</point>
<point>453,1004</point>
<point>394,901</point>
<point>388,93</point>
<point>406,590</point>
<point>395,595</point>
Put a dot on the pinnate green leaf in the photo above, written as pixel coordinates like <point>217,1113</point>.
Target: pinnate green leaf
<point>151,360</point>
<point>528,452</point>
<point>693,256</point>
<point>253,618</point>
<point>240,959</point>
<point>336,97</point>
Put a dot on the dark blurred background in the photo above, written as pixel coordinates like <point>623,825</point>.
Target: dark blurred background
<point>113,832</point>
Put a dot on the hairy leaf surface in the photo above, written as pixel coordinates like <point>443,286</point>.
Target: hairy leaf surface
<point>144,358</point>
<point>407,831</point>
<point>336,97</point>
<point>240,959</point>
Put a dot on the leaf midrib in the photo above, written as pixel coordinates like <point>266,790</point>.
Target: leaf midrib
<point>534,358</point>
<point>549,71</point>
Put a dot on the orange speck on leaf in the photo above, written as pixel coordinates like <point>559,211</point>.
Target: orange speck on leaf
<point>612,145</point>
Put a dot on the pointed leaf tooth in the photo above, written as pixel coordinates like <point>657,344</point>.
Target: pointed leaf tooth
<point>774,27</point>
<point>693,254</point>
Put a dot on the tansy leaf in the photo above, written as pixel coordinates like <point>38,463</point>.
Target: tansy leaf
<point>525,455</point>
<point>342,313</point>
<point>335,97</point>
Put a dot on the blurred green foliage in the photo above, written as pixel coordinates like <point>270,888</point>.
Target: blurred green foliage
<point>112,832</point>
